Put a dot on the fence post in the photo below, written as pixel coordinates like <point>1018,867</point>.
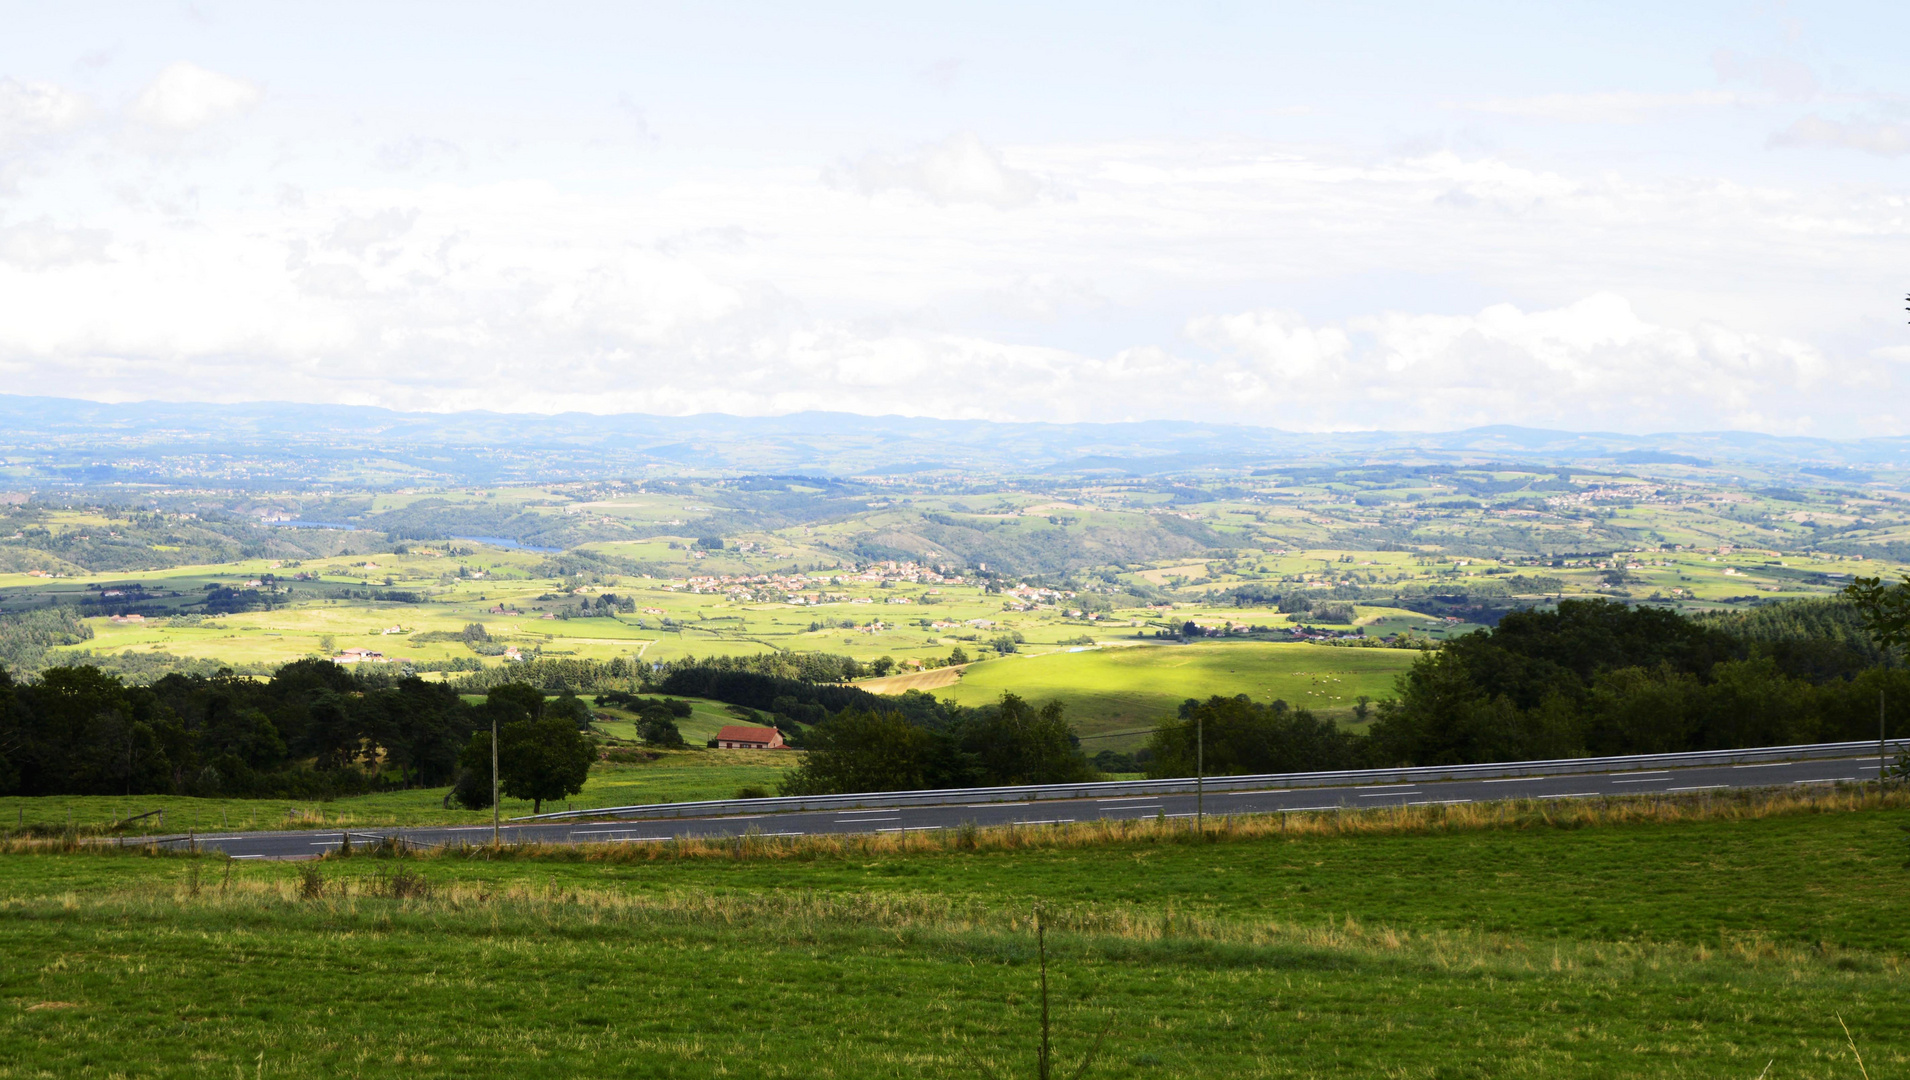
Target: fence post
<point>1200,774</point>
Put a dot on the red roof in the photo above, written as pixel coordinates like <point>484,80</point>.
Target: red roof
<point>737,733</point>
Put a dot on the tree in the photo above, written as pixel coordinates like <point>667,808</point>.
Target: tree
<point>1017,744</point>
<point>472,788</point>
<point>1243,736</point>
<point>656,725</point>
<point>864,751</point>
<point>514,702</point>
<point>570,707</point>
<point>1885,609</point>
<point>882,665</point>
<point>543,759</point>
<point>957,656</point>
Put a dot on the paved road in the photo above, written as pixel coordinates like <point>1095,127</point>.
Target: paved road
<point>304,844</point>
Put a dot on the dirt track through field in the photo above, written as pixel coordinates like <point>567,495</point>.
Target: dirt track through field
<point>914,680</point>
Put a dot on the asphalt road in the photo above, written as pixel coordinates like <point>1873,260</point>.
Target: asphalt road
<point>305,844</point>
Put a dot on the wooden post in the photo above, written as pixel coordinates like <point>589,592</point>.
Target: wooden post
<point>1882,750</point>
<point>1200,774</point>
<point>494,806</point>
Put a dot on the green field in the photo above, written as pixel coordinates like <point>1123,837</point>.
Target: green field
<point>1697,551</point>
<point>1127,689</point>
<point>1547,945</point>
<point>705,720</point>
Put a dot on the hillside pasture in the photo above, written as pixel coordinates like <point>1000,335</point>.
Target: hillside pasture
<point>1129,689</point>
<point>934,679</point>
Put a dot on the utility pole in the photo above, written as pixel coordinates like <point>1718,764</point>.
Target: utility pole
<point>494,806</point>
<point>1200,774</point>
<point>1882,750</point>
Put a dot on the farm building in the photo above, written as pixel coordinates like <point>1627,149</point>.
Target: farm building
<point>738,737</point>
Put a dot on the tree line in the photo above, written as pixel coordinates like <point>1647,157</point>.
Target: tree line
<point>313,730</point>
<point>1591,677</point>
<point>1011,742</point>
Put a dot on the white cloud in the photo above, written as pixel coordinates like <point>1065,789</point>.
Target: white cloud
<point>1590,364</point>
<point>357,232</point>
<point>959,169</point>
<point>418,154</point>
<point>1886,139</point>
<point>1611,107</point>
<point>186,97</point>
<point>1178,280</point>
<point>30,108</point>
<point>1280,340</point>
<point>39,245</point>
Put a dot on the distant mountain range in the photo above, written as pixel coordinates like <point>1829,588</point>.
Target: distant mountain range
<point>71,442</point>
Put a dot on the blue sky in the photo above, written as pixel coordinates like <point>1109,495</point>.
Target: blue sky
<point>1309,217</point>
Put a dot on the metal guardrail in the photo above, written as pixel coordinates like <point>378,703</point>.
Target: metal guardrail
<point>1179,785</point>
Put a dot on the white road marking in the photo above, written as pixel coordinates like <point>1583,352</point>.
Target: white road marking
<point>1701,787</point>
<point>1440,802</point>
<point>1572,795</point>
<point>1653,780</point>
<point>1384,794</point>
<point>1513,779</point>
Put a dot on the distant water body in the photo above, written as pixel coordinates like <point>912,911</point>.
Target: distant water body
<point>507,542</point>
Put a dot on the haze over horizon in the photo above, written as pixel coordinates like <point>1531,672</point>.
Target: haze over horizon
<point>1598,219</point>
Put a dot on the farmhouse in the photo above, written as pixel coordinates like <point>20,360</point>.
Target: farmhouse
<point>738,737</point>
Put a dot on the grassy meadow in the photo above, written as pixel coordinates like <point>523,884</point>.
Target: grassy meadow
<point>705,720</point>
<point>1714,938</point>
<point>1109,690</point>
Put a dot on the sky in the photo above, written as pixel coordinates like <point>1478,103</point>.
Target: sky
<point>1618,217</point>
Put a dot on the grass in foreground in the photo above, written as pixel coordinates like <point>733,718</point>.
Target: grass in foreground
<point>1401,945</point>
